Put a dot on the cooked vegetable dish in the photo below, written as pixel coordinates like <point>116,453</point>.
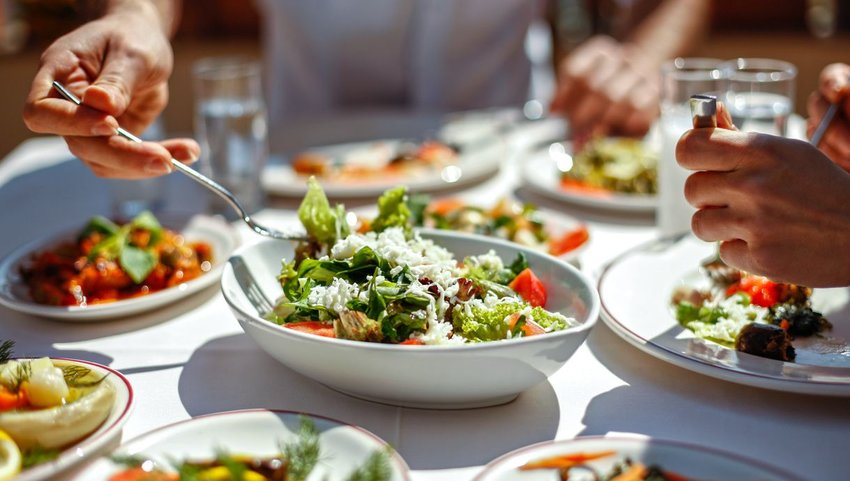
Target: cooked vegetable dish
<point>750,313</point>
<point>576,467</point>
<point>389,285</point>
<point>108,262</point>
<point>613,165</point>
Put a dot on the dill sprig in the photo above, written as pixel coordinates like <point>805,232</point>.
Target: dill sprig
<point>376,468</point>
<point>74,374</point>
<point>303,453</point>
<point>6,349</point>
<point>36,456</point>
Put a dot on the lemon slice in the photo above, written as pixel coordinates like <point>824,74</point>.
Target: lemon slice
<point>10,458</point>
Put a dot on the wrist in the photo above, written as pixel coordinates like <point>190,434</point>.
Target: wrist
<point>156,12</point>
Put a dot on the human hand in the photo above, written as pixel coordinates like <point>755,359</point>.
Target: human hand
<point>834,87</point>
<point>119,66</point>
<point>780,207</point>
<point>608,88</point>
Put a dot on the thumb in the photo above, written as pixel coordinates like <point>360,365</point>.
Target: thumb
<point>724,118</point>
<point>112,91</point>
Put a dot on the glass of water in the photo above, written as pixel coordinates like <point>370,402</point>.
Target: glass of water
<point>759,94</point>
<point>680,78</point>
<point>230,123</point>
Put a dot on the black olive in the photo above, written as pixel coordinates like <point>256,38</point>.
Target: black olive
<point>802,321</point>
<point>765,340</point>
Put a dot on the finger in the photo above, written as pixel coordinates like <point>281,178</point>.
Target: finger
<point>717,224</point>
<point>186,151</point>
<point>120,158</point>
<point>724,118</point>
<point>638,121</point>
<point>736,253</point>
<point>707,189</point>
<point>834,82</point>
<point>713,149</point>
<point>118,80</point>
<point>838,158</point>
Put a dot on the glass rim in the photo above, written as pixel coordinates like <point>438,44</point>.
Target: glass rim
<point>755,68</point>
<point>693,68</point>
<point>214,68</point>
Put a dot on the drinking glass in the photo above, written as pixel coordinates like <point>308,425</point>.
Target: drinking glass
<point>759,94</point>
<point>132,197</point>
<point>230,123</point>
<point>680,78</point>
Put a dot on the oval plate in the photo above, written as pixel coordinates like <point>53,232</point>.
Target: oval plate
<point>14,293</point>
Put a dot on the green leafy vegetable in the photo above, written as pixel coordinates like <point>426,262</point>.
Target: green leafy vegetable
<point>6,350</point>
<point>99,224</point>
<point>417,204</point>
<point>392,210</point>
<point>323,223</point>
<point>136,262</point>
<point>117,244</point>
<point>303,453</point>
<point>35,456</point>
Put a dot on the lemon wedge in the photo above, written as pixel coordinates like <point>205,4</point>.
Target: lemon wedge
<point>10,458</point>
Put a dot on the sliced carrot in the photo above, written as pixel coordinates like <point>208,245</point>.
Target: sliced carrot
<point>12,400</point>
<point>637,472</point>
<point>565,461</point>
<point>412,342</point>
<point>569,241</point>
<point>324,329</point>
<point>530,328</point>
<point>568,183</point>
<point>139,474</point>
<point>445,206</point>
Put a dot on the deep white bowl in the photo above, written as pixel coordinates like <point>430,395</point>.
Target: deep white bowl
<point>446,377</point>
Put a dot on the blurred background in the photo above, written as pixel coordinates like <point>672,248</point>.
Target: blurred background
<point>807,33</point>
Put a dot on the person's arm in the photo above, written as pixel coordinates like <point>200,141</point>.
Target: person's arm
<point>119,66</point>
<point>779,206</point>
<point>606,87</point>
<point>834,88</point>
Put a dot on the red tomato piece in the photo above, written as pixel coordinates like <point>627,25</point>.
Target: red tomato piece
<point>570,241</point>
<point>762,291</point>
<point>412,342</point>
<point>324,329</point>
<point>530,288</point>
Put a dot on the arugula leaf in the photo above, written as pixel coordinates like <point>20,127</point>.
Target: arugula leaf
<point>147,221</point>
<point>136,262</point>
<point>392,210</point>
<point>323,223</point>
<point>99,224</point>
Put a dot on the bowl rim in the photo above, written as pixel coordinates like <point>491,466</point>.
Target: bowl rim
<point>582,328</point>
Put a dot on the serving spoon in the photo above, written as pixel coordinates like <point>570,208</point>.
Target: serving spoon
<point>210,184</point>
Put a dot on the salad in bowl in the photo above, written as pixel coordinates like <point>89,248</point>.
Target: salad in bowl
<point>418,318</point>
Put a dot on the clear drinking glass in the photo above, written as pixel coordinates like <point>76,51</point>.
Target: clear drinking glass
<point>132,197</point>
<point>759,94</point>
<point>230,123</point>
<point>681,78</point>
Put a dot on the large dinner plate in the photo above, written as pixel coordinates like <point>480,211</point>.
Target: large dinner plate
<point>539,171</point>
<point>14,292</point>
<point>256,432</point>
<point>689,460</point>
<point>476,162</point>
<point>99,440</point>
<point>636,288</point>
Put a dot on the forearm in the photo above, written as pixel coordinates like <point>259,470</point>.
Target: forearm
<point>165,13</point>
<point>674,29</point>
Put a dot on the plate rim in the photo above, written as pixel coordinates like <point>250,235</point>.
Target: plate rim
<point>638,439</point>
<point>725,373</point>
<point>617,202</point>
<point>472,173</point>
<point>110,310</point>
<point>153,433</point>
<point>70,456</point>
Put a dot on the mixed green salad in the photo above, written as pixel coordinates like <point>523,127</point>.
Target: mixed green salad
<point>390,285</point>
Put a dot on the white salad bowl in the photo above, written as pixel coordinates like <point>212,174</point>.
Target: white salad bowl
<point>443,377</point>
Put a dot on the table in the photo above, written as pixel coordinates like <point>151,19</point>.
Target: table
<point>192,358</point>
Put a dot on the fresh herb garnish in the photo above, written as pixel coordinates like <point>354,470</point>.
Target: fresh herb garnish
<point>376,468</point>
<point>127,461</point>
<point>6,350</point>
<point>36,456</point>
<point>303,453</point>
<point>118,244</point>
<point>74,377</point>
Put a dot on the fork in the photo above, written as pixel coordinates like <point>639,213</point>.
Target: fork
<point>210,184</point>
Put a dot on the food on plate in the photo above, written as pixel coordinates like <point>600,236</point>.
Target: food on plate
<point>606,165</point>
<point>376,160</point>
<point>109,262</point>
<point>390,285</point>
<point>49,404</point>
<point>749,313</point>
<point>295,461</point>
<point>572,466</point>
<point>508,219</point>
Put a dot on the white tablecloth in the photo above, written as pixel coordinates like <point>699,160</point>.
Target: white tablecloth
<point>192,358</point>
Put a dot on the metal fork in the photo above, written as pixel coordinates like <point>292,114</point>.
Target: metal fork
<point>210,184</point>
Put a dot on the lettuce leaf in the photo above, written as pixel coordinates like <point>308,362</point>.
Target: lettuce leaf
<point>323,223</point>
<point>393,210</point>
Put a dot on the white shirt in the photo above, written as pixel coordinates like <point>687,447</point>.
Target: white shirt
<point>326,56</point>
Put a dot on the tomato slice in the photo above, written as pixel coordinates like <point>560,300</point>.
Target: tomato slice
<point>762,291</point>
<point>530,288</point>
<point>324,329</point>
<point>571,240</point>
<point>530,328</point>
<point>412,342</point>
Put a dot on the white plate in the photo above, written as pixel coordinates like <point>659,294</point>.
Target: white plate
<point>475,163</point>
<point>635,290</point>
<point>99,440</point>
<point>540,173</point>
<point>14,293</point>
<point>690,460</point>
<point>437,377</point>
<point>256,432</point>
